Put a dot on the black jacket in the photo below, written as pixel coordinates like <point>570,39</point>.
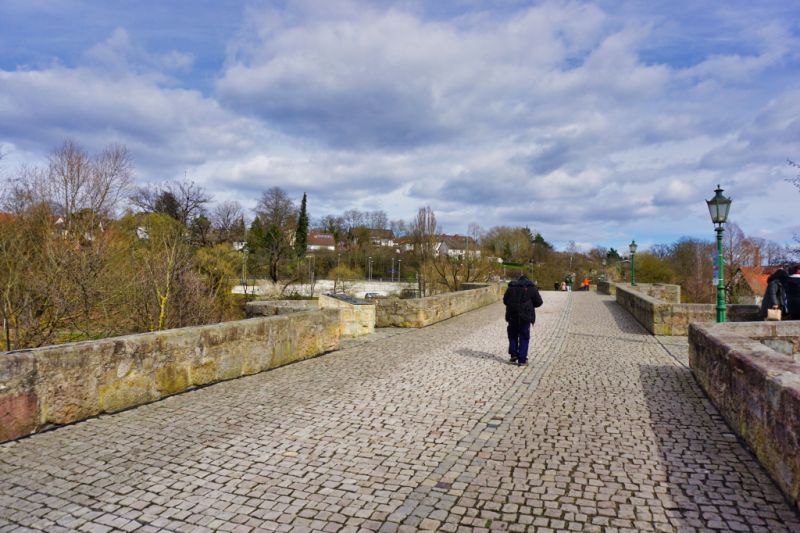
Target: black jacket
<point>792,286</point>
<point>521,300</point>
<point>776,293</point>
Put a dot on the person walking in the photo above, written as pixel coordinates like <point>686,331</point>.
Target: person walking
<point>775,295</point>
<point>521,300</point>
<point>792,286</point>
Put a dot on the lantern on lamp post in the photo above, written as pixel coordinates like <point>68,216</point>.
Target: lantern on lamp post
<point>718,207</point>
<point>632,248</point>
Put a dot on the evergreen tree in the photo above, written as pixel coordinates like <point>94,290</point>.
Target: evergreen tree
<point>239,230</point>
<point>301,233</point>
<point>168,204</point>
<point>255,237</point>
<point>538,240</point>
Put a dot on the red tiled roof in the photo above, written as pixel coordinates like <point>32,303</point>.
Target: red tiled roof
<point>381,234</point>
<point>321,239</point>
<point>458,242</point>
<point>756,277</point>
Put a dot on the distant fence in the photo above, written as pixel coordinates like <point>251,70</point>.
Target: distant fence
<point>357,288</point>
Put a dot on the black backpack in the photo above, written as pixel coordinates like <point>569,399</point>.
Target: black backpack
<point>519,303</point>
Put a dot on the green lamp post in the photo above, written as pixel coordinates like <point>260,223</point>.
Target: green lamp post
<point>719,206</point>
<point>632,248</point>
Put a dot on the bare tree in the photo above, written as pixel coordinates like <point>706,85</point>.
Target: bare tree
<point>377,220</point>
<point>455,271</point>
<point>182,200</point>
<point>398,227</point>
<point>424,229</point>
<point>73,182</point>
<point>24,189</point>
<point>192,199</point>
<point>278,216</point>
<point>353,218</point>
<point>68,176</point>
<point>475,231</point>
<point>226,218</point>
<point>77,182</point>
<point>111,179</point>
<point>275,207</point>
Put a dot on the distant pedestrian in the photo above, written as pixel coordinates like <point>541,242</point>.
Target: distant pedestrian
<point>556,286</point>
<point>521,300</point>
<point>564,286</point>
<point>585,284</point>
<point>775,295</point>
<point>792,286</point>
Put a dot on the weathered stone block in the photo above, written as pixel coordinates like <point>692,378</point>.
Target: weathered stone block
<point>18,414</point>
<point>661,317</point>
<point>71,382</point>
<point>421,312</point>
<point>133,389</point>
<point>757,391</point>
<point>356,319</point>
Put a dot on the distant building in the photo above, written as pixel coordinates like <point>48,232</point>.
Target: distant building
<point>381,237</point>
<point>405,244</point>
<point>321,242</point>
<point>750,283</point>
<point>456,246</point>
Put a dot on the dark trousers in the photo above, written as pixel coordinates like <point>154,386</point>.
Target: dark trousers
<point>519,335</point>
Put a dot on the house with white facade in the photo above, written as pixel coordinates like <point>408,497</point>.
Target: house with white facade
<point>321,242</point>
<point>456,246</point>
<point>381,237</point>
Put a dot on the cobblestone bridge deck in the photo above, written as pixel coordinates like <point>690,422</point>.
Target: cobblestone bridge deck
<point>416,430</point>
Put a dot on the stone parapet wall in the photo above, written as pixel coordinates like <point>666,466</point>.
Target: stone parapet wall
<point>607,287</point>
<point>279,307</point>
<point>421,312</point>
<point>756,389</point>
<point>661,291</point>
<point>66,383</point>
<point>355,319</point>
<point>661,317</point>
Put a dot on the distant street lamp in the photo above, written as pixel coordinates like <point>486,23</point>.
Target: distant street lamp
<point>632,248</point>
<point>336,283</point>
<point>718,207</point>
<point>369,267</point>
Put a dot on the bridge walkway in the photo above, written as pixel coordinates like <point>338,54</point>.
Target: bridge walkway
<point>411,430</point>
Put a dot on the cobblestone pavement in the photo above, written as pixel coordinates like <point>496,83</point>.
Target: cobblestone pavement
<point>415,430</point>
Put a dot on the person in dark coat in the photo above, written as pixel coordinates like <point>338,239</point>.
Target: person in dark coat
<point>792,286</point>
<point>521,300</point>
<point>775,295</point>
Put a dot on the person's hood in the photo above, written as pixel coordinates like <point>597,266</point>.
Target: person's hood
<point>779,274</point>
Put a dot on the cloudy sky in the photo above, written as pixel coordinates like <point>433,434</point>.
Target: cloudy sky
<point>595,122</point>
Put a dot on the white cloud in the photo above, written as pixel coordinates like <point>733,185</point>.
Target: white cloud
<point>563,115</point>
